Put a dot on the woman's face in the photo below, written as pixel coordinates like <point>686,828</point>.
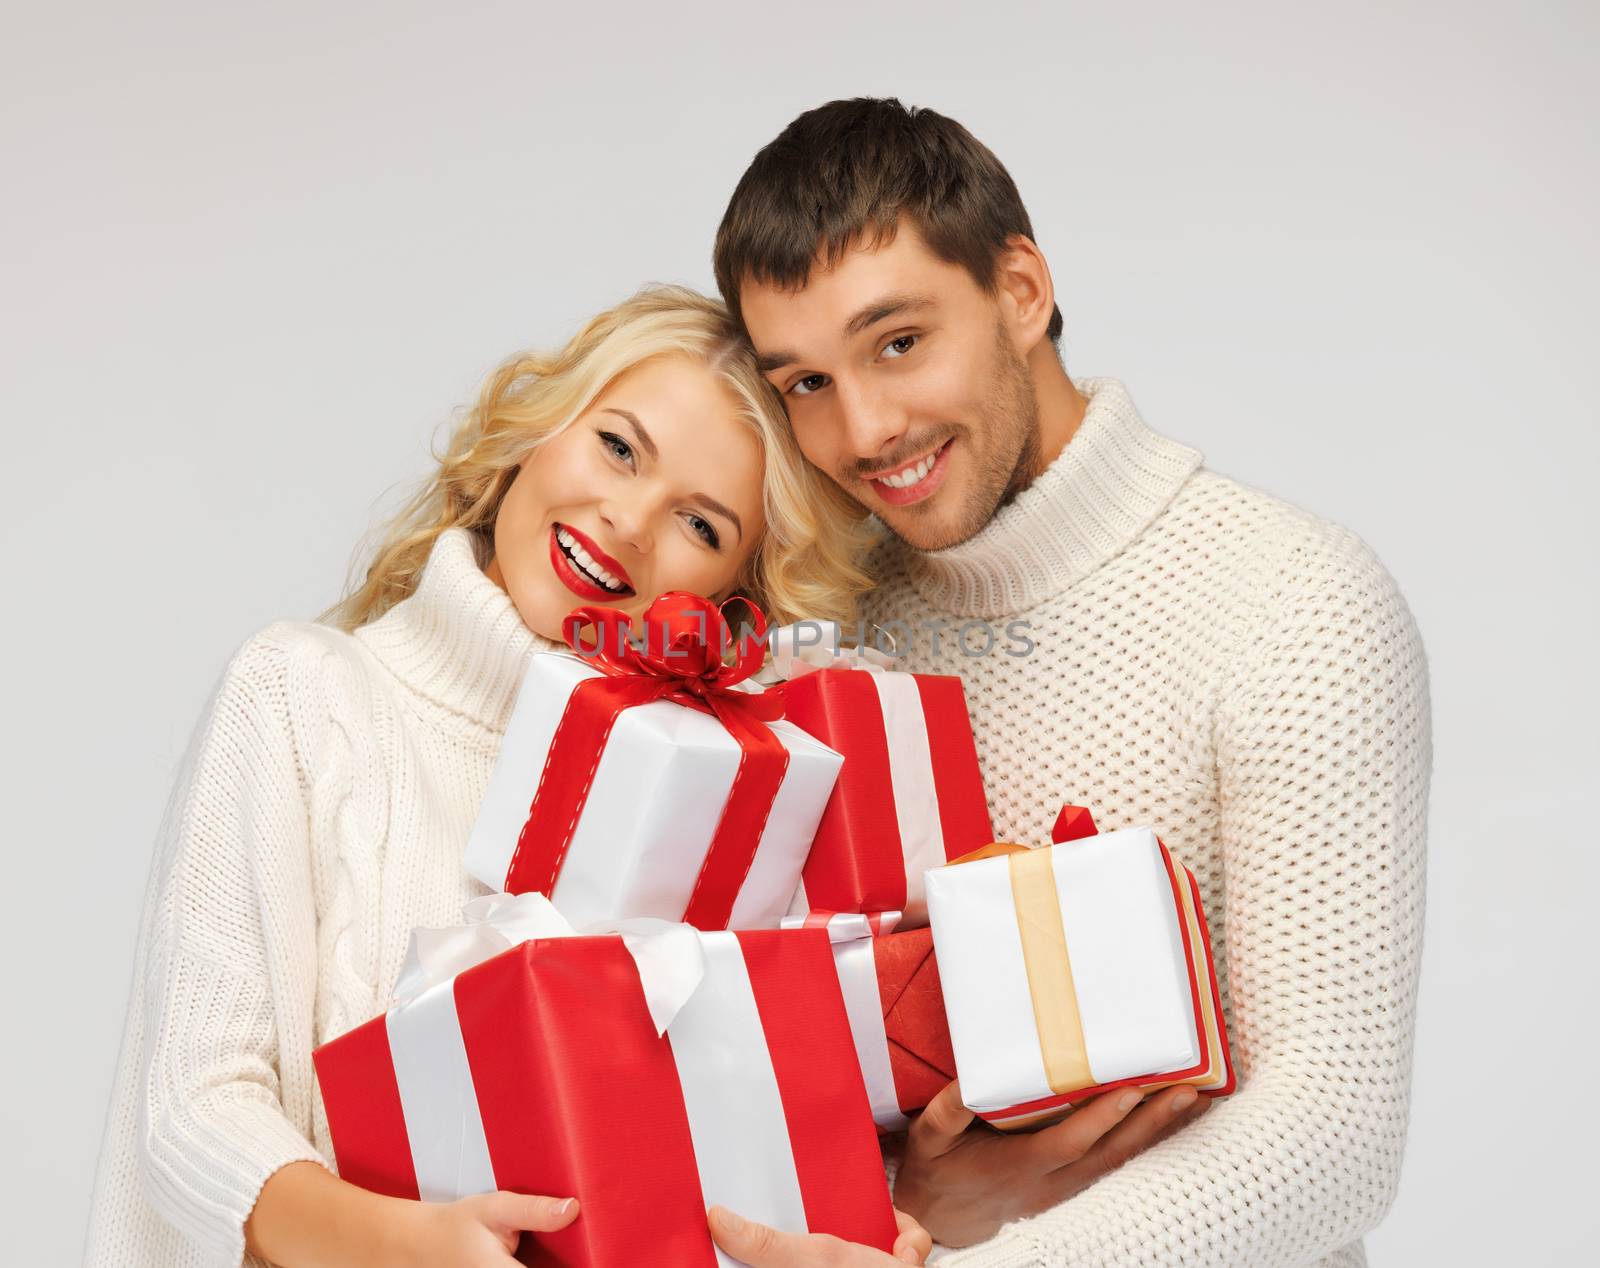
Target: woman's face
<point>655,487</point>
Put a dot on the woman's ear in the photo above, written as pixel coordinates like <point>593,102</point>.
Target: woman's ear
<point>1027,294</point>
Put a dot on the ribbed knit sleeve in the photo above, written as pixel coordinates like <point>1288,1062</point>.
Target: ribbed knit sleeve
<point>1323,755</point>
<point>226,964</point>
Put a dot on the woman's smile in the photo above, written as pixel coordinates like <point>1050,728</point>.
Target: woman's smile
<point>584,568</point>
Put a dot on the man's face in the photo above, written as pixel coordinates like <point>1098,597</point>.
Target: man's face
<point>904,383</point>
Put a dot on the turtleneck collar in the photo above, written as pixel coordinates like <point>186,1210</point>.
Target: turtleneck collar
<point>1110,481</point>
<point>457,639</point>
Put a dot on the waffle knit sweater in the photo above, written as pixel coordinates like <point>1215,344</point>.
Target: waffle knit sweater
<point>1246,679</point>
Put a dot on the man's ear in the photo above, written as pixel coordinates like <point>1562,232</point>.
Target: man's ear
<point>1027,295</point>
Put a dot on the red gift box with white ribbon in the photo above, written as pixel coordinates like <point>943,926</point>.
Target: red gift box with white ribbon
<point>890,984</point>
<point>909,797</point>
<point>650,1074</point>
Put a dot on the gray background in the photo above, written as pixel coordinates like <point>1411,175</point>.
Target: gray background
<point>251,258</point>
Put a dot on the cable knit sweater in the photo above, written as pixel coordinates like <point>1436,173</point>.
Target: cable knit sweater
<point>1245,678</point>
<point>322,814</point>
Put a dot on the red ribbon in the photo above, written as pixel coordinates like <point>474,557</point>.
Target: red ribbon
<point>679,659</point>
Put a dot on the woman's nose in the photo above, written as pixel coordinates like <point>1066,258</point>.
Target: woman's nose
<point>630,523</point>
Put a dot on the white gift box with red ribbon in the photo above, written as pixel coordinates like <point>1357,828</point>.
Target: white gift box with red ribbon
<point>640,841</point>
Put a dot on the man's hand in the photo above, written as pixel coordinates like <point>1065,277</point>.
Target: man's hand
<point>964,1184</point>
<point>763,1247</point>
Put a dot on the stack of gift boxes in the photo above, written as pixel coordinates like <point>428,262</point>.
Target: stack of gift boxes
<point>737,934</point>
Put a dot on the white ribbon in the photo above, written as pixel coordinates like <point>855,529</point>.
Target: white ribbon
<point>731,1096</point>
<point>807,646</point>
<point>854,962</point>
<point>669,956</point>
<point>847,926</point>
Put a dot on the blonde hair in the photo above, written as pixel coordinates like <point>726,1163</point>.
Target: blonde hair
<point>806,564</point>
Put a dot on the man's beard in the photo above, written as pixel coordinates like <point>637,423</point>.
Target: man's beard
<point>1004,444</point>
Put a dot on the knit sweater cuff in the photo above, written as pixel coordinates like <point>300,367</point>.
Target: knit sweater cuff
<point>205,1175</point>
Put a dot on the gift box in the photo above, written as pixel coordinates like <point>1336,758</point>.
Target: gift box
<point>910,796</point>
<point>648,1074</point>
<point>890,984</point>
<point>1074,969</point>
<point>646,781</point>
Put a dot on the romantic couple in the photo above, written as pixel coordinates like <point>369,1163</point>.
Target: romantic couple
<point>875,425</point>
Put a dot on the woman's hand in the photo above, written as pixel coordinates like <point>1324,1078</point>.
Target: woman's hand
<point>763,1247</point>
<point>478,1232</point>
<point>306,1217</point>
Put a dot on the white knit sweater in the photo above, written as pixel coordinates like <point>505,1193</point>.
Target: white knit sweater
<point>322,815</point>
<point>1245,678</point>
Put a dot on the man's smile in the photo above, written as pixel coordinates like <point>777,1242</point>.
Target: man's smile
<point>915,480</point>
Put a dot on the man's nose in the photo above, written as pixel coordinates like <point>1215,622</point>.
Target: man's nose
<point>872,423</point>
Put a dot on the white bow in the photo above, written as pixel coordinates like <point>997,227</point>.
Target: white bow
<point>807,646</point>
<point>669,956</point>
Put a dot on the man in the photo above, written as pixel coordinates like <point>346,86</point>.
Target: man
<point>1204,659</point>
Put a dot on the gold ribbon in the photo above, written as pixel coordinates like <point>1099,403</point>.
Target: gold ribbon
<point>1044,951</point>
<point>1044,954</point>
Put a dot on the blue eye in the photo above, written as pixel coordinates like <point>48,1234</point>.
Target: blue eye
<point>809,384</point>
<point>705,531</point>
<point>617,446</point>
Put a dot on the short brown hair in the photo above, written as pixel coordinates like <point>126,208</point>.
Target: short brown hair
<point>848,171</point>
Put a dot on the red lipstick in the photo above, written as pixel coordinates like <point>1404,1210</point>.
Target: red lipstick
<point>575,577</point>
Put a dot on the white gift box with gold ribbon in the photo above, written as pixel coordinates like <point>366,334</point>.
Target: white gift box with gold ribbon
<point>1073,969</point>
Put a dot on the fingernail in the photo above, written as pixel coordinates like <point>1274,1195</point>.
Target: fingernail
<point>1184,1099</point>
<point>910,1255</point>
<point>1128,1101</point>
<point>564,1208</point>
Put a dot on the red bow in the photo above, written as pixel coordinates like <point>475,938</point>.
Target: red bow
<point>685,639</point>
<point>680,659</point>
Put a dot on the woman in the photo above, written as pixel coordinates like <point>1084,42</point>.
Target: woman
<point>325,802</point>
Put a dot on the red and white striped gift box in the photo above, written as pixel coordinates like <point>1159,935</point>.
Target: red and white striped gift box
<point>909,797</point>
<point>540,1070</point>
<point>890,984</point>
